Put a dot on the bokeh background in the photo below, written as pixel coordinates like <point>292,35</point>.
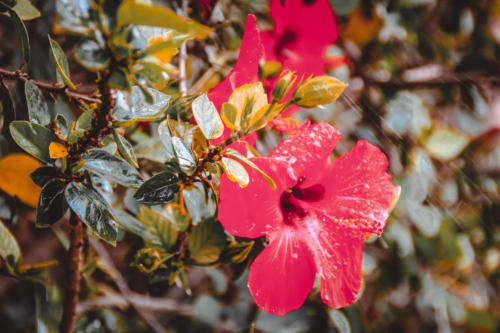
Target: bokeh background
<point>423,85</point>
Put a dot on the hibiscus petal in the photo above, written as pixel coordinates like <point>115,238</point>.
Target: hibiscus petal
<point>255,210</point>
<point>338,259</point>
<point>246,70</point>
<point>308,152</point>
<point>283,274</point>
<point>358,190</point>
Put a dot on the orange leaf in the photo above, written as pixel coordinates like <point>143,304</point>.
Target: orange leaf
<point>57,150</point>
<point>15,180</point>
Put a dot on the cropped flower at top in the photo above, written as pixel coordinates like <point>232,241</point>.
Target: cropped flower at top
<point>246,70</point>
<point>315,221</point>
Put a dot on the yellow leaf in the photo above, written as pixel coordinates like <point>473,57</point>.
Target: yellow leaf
<point>248,99</point>
<point>57,150</point>
<point>445,144</point>
<point>15,180</point>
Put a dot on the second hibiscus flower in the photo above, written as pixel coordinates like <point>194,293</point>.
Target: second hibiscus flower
<point>315,221</point>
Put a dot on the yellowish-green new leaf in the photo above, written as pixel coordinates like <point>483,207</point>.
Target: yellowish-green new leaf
<point>141,13</point>
<point>230,116</point>
<point>248,99</point>
<point>207,117</point>
<point>446,144</point>
<point>236,155</point>
<point>61,63</point>
<point>235,171</point>
<point>26,10</point>
<point>318,90</point>
<point>163,230</point>
<point>8,244</point>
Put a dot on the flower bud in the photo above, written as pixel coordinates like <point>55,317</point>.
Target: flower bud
<point>269,69</point>
<point>283,86</point>
<point>147,260</point>
<point>318,90</point>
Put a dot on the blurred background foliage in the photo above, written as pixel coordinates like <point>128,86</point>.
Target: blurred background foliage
<point>423,85</point>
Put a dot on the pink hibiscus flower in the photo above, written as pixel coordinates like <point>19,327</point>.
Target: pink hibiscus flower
<point>246,70</point>
<point>303,29</point>
<point>315,221</point>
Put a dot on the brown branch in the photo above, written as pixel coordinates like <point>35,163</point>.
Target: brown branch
<point>123,287</point>
<point>434,82</point>
<point>48,87</point>
<point>73,282</point>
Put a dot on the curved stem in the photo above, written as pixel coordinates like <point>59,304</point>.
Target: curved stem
<point>73,283</point>
<point>49,87</point>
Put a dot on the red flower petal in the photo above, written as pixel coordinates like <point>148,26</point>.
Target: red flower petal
<point>308,152</point>
<point>246,70</point>
<point>283,274</point>
<point>358,190</point>
<point>338,259</point>
<point>255,210</point>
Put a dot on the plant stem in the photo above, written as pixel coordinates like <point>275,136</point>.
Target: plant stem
<point>183,57</point>
<point>48,87</point>
<point>73,283</point>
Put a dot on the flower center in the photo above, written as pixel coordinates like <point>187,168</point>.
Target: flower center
<point>291,201</point>
<point>288,37</point>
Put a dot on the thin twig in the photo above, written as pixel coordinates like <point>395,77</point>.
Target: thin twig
<point>73,283</point>
<point>183,57</point>
<point>122,285</point>
<point>48,87</point>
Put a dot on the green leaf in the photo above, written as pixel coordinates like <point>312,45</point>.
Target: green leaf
<point>38,109</point>
<point>125,149</point>
<point>44,174</point>
<point>199,204</point>
<point>184,156</point>
<point>230,116</point>
<point>91,56</point>
<point>61,63</point>
<point>22,34</point>
<point>236,155</point>
<point>111,167</point>
<point>164,231</point>
<point>140,13</point>
<point>8,244</point>
<point>62,125</point>
<point>52,204</point>
<point>133,225</point>
<point>119,80</point>
<point>207,117</point>
<point>236,253</point>
<point>166,138</point>
<point>26,10</point>
<point>206,242</point>
<point>159,189</point>
<point>33,138</point>
<point>446,144</point>
<point>93,210</point>
<point>6,106</point>
<point>235,171</point>
<point>83,123</point>
<point>135,107</point>
<point>172,211</point>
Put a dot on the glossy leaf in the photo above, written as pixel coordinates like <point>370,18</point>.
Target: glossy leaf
<point>119,79</point>
<point>164,232</point>
<point>26,10</point>
<point>92,209</point>
<point>166,138</point>
<point>339,320</point>
<point>38,109</point>
<point>62,126</point>
<point>135,107</point>
<point>230,116</point>
<point>206,242</point>
<point>133,225</point>
<point>33,138</point>
<point>22,35</point>
<point>184,155</point>
<point>199,204</point>
<point>236,155</point>
<point>236,253</point>
<point>235,171</point>
<point>8,244</point>
<point>44,174</point>
<point>139,13</point>
<point>15,170</point>
<point>160,188</point>
<point>248,99</point>
<point>61,63</point>
<point>91,56</point>
<point>111,167</point>
<point>52,204</point>
<point>125,149</point>
<point>207,117</point>
<point>6,106</point>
